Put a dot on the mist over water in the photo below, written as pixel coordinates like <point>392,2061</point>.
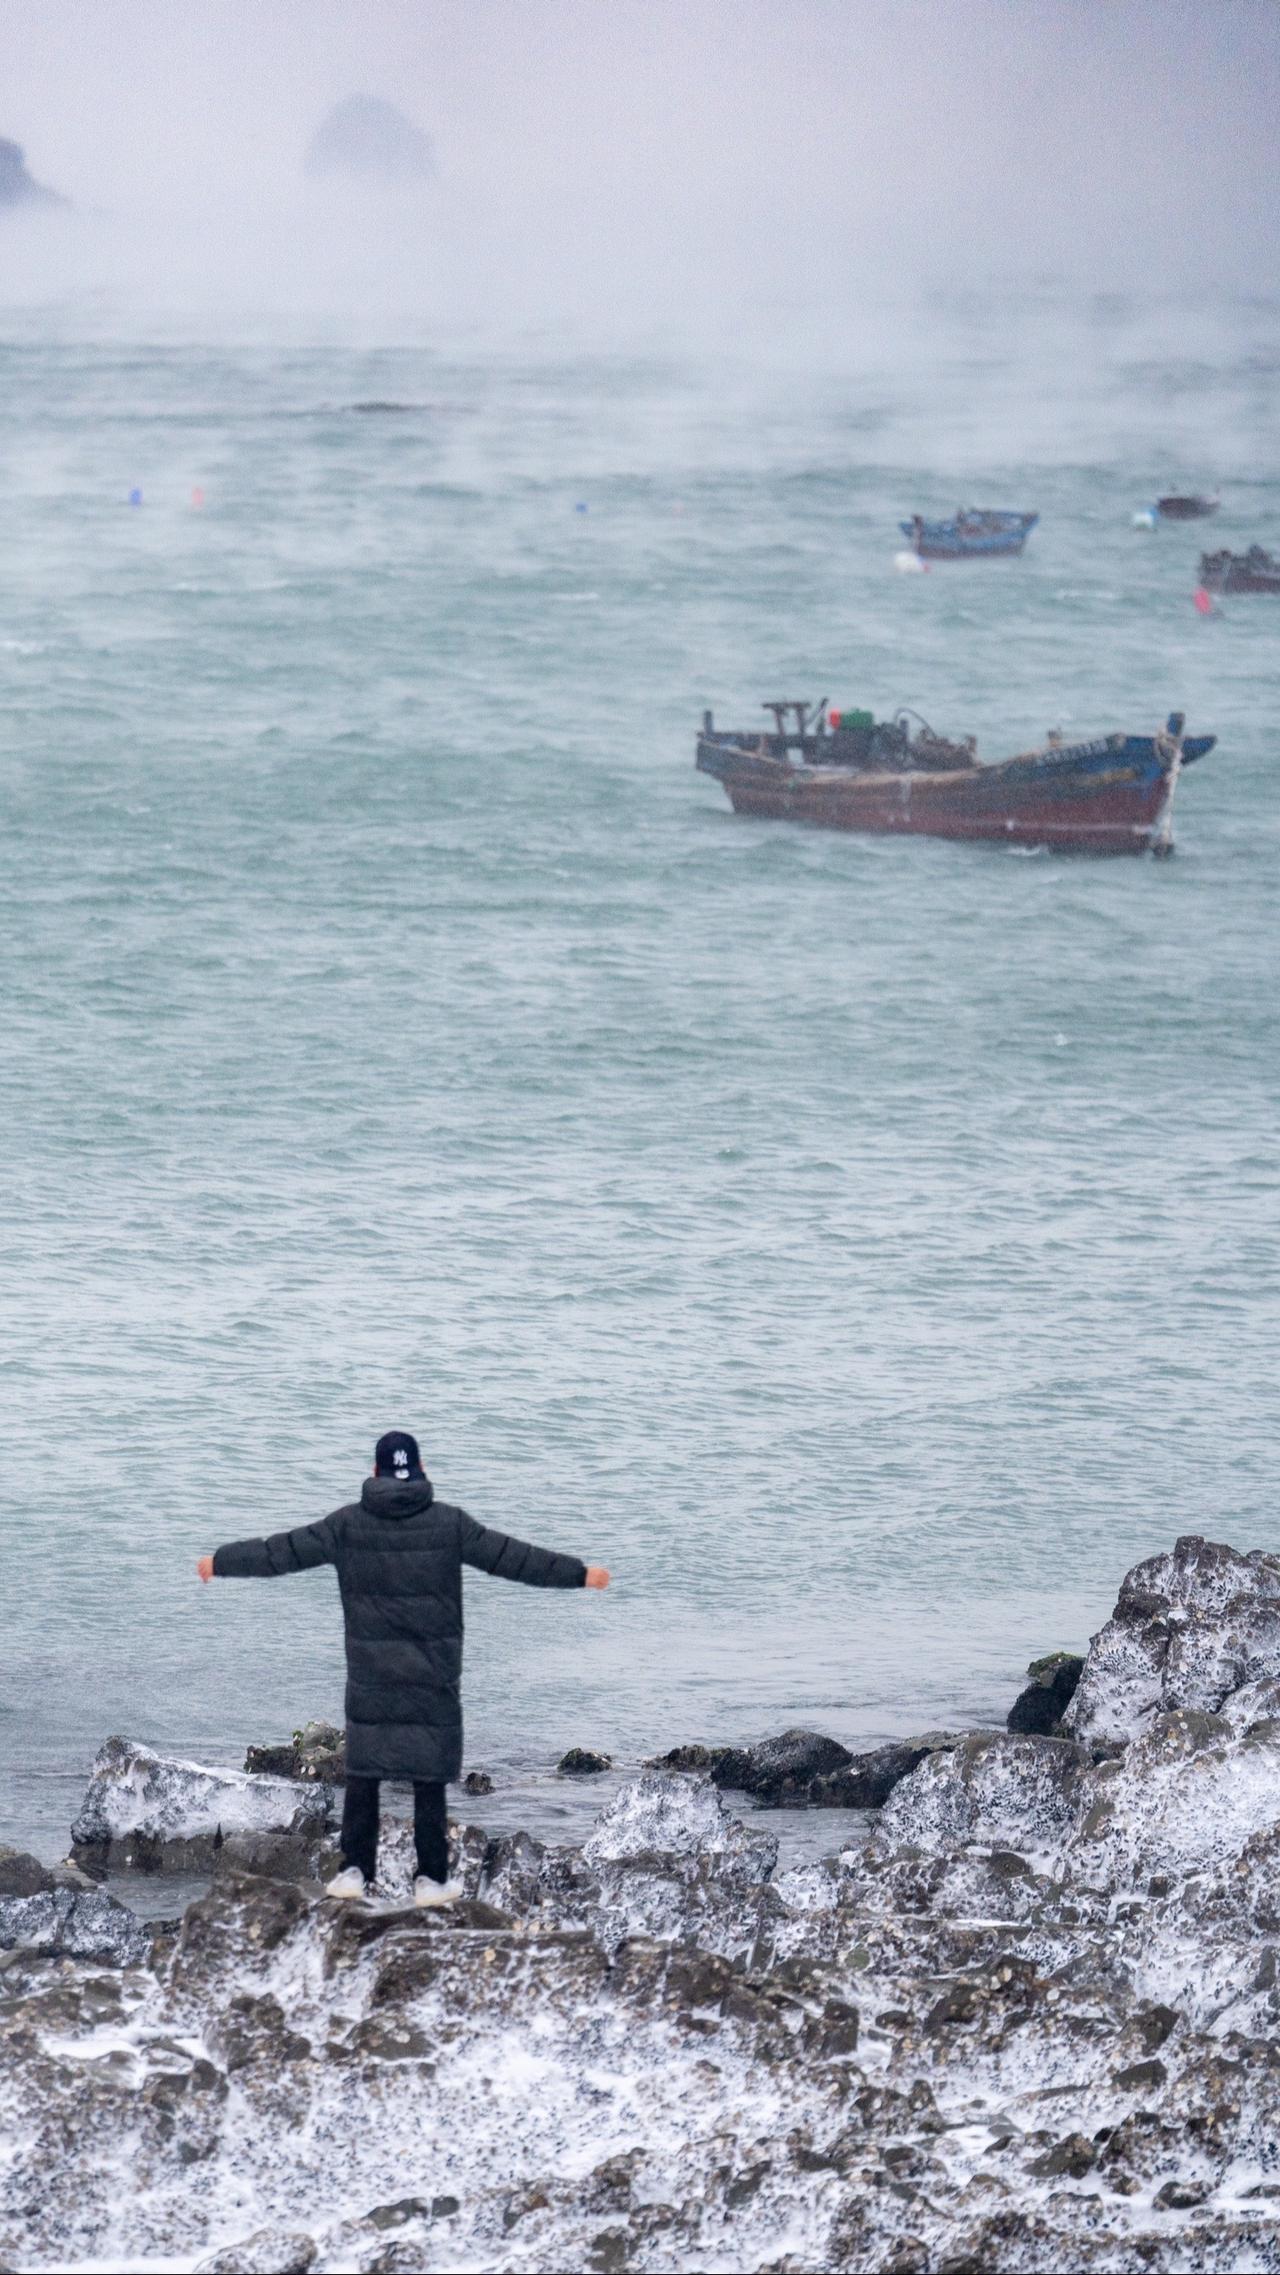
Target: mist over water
<point>867,1249</point>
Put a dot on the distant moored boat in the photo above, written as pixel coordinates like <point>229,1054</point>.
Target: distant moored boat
<point>969,534</point>
<point>1179,508</point>
<point>1111,794</point>
<point>1254,571</point>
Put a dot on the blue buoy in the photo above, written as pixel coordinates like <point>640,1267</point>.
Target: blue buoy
<point>135,497</point>
<point>580,507</point>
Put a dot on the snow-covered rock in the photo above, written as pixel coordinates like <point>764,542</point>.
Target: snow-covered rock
<point>990,1791</point>
<point>1189,1627</point>
<point>657,1815</point>
<point>70,1923</point>
<point>1190,1793</point>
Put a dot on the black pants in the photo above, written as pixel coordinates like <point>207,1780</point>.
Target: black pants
<point>360,1827</point>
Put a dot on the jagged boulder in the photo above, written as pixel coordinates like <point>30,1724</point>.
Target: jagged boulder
<point>67,1922</point>
<point>774,1770</point>
<point>316,1753</point>
<point>990,1791</point>
<point>676,1817</point>
<point>580,1761</point>
<point>663,1856</point>
<point>867,1780</point>
<point>24,1875</point>
<point>803,1769</point>
<point>1189,1627</point>
<point>143,1810</point>
<point>1037,1711</point>
<point>364,137</point>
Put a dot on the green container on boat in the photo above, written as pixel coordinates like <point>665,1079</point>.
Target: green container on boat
<point>857,722</point>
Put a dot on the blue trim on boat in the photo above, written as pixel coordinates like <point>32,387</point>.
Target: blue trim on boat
<point>967,536</point>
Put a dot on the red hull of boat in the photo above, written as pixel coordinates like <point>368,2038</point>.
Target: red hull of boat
<point>1117,819</point>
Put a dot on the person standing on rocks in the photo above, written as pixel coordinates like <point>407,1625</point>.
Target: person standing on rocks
<point>399,1553</point>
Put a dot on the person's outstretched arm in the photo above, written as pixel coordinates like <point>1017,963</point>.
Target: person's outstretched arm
<point>297,1551</point>
<point>506,1558</point>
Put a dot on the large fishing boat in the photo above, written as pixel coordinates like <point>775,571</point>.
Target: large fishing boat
<point>969,534</point>
<point>839,770</point>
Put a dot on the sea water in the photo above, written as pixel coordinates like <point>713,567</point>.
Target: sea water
<point>867,1249</point>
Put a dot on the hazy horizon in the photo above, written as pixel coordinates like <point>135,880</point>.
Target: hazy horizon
<point>645,166</point>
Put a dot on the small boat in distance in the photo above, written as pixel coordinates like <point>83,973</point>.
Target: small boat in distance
<point>1254,571</point>
<point>1112,794</point>
<point>970,534</point>
<point>1179,508</point>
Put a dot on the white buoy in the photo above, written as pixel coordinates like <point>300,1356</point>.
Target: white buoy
<point>1147,519</point>
<point>909,564</point>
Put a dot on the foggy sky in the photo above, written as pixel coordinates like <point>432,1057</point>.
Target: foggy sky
<point>649,158</point>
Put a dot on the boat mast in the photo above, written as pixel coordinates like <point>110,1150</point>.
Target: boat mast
<point>1169,745</point>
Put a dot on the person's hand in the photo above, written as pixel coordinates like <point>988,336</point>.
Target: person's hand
<point>204,1567</point>
<point>597,1577</point>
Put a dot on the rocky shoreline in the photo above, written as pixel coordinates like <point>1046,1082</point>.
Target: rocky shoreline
<point>1029,2023</point>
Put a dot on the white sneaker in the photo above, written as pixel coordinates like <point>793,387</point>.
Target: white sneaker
<point>433,1895</point>
<point>347,1886</point>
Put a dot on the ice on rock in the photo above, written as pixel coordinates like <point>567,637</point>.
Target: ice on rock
<point>66,1923</point>
<point>990,1791</point>
<point>133,1790</point>
<point>1189,1627</point>
<point>1190,1793</point>
<point>271,2251</point>
<point>668,1815</point>
<point>1031,2026</point>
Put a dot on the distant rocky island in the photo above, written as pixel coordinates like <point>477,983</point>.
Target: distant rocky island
<point>16,184</point>
<point>366,137</point>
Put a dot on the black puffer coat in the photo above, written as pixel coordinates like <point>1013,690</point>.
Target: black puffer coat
<point>399,1555</point>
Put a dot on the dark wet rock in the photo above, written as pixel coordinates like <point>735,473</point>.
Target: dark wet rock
<point>802,1769</point>
<point>16,185</point>
<point>581,1762</point>
<point>1072,2157</point>
<point>1052,1684</point>
<point>23,1875</point>
<point>477,1782</point>
<point>398,2215</point>
<point>366,138</point>
<point>867,1780</point>
<point>254,2029</point>
<point>1181,2195</point>
<point>316,1752</point>
<point>774,1771</point>
<point>779,1769</point>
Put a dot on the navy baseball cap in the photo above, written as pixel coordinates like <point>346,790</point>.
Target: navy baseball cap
<point>396,1455</point>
